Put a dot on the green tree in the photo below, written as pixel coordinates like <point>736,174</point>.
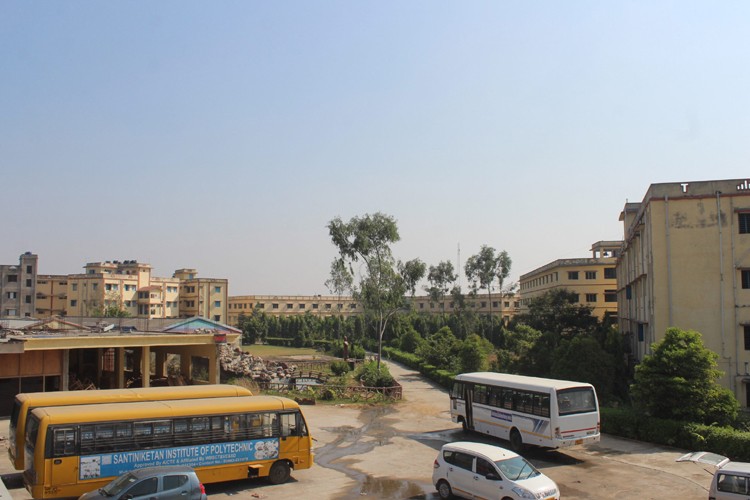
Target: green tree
<point>485,268</point>
<point>573,361</point>
<point>381,289</point>
<point>678,381</point>
<point>412,271</point>
<point>473,352</point>
<point>440,349</point>
<point>440,278</point>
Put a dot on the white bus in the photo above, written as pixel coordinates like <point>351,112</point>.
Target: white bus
<point>526,410</point>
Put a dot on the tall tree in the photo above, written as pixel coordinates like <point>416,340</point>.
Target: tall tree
<point>412,271</point>
<point>440,278</point>
<point>381,288</point>
<point>679,381</point>
<point>485,268</point>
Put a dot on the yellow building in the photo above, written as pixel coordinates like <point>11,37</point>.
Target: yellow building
<point>325,305</point>
<point>592,279</point>
<point>51,295</point>
<point>206,297</point>
<point>288,305</point>
<point>686,263</point>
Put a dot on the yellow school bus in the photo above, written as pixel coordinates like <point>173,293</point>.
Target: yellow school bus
<point>25,402</point>
<point>73,449</point>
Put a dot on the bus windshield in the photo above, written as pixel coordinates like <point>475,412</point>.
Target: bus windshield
<point>576,400</point>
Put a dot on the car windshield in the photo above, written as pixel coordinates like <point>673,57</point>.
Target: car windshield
<point>119,485</point>
<point>517,468</point>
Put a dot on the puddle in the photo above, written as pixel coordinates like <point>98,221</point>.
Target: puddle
<point>376,430</point>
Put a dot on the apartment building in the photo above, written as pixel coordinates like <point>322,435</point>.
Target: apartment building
<point>51,295</point>
<point>17,287</point>
<point>503,305</point>
<point>205,297</point>
<point>686,263</point>
<point>592,279</point>
<point>288,305</point>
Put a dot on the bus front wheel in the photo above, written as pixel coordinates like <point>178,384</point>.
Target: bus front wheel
<point>280,473</point>
<point>516,441</point>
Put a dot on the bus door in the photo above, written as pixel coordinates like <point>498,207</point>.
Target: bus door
<point>294,441</point>
<point>469,403</point>
<point>63,468</point>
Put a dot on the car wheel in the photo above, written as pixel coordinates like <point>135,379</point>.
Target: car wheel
<point>279,473</point>
<point>444,490</point>
<point>516,441</point>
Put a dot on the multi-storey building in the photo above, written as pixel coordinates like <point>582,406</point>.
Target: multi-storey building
<point>288,305</point>
<point>18,287</point>
<point>51,295</point>
<point>206,297</point>
<point>325,305</point>
<point>686,263</point>
<point>592,279</point>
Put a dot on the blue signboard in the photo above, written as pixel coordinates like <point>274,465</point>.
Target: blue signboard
<point>114,464</point>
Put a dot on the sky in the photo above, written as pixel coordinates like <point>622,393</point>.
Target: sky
<point>224,136</point>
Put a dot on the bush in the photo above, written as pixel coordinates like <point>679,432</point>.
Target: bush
<point>339,367</point>
<point>369,375</point>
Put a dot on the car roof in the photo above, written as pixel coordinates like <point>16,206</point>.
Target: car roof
<point>742,467</point>
<point>162,469</point>
<point>489,451</point>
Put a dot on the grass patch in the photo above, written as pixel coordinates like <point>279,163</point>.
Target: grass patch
<point>274,351</point>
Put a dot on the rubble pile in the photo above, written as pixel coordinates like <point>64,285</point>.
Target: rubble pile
<point>239,363</point>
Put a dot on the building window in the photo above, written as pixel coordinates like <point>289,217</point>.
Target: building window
<point>28,299</point>
<point>74,286</point>
<point>747,337</point>
<point>610,273</point>
<point>628,292</point>
<point>260,305</point>
<point>315,306</point>
<point>12,295</point>
<point>217,303</point>
<point>73,303</point>
<point>12,278</point>
<point>217,317</point>
<point>352,306</point>
<point>340,306</point>
<point>421,305</point>
<point>274,306</point>
<point>745,278</point>
<point>217,289</point>
<point>328,306</point>
<point>301,306</point>
<point>29,270</point>
<point>590,297</point>
<point>507,303</point>
<point>572,275</point>
<point>289,306</point>
<point>483,304</point>
<point>610,295</point>
<point>744,222</point>
<point>28,282</point>
<point>590,275</point>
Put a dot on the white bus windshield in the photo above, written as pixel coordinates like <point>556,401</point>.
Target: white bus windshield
<point>576,400</point>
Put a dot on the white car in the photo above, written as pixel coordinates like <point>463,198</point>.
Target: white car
<point>731,480</point>
<point>477,470</point>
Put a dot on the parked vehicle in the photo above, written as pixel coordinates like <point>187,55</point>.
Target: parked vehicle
<point>154,483</point>
<point>477,470</point>
<point>731,479</point>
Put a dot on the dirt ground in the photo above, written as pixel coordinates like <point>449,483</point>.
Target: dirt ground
<point>387,452</point>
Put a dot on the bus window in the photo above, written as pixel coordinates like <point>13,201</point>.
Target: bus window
<point>64,442</point>
<point>576,400</point>
<point>288,424</point>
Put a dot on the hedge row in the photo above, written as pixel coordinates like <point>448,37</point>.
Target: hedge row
<point>724,441</point>
<point>297,342</point>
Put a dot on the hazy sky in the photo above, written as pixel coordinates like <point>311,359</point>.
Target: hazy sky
<point>224,136</point>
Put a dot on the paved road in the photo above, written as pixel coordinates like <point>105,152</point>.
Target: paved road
<point>387,453</point>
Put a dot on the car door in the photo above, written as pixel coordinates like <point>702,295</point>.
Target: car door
<point>484,486</point>
<point>460,472</point>
<point>176,486</point>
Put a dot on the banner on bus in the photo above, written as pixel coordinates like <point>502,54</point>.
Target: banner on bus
<point>115,464</point>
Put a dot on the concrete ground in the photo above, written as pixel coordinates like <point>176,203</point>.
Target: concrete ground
<point>388,452</point>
